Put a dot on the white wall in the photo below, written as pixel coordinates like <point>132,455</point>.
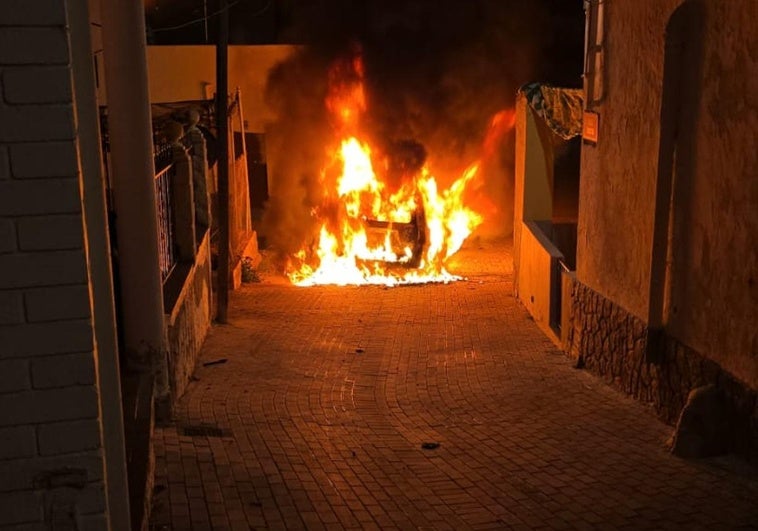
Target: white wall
<point>50,424</point>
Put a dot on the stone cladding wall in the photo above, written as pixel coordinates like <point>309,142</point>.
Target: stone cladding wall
<point>610,342</point>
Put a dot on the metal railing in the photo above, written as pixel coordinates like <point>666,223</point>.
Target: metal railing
<point>165,171</point>
<point>166,247</point>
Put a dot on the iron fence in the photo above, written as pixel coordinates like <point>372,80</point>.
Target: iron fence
<point>166,247</point>
<point>164,173</point>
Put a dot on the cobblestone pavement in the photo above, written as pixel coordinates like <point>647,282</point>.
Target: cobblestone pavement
<point>328,395</point>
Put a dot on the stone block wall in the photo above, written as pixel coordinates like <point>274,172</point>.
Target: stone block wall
<point>611,343</point>
<point>189,320</point>
<point>51,459</point>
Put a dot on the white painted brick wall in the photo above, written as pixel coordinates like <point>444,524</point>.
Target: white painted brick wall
<point>49,409</point>
<point>43,159</point>
<point>14,375</point>
<point>52,304</point>
<point>32,13</point>
<point>68,437</point>
<point>43,196</point>
<point>63,371</point>
<point>20,507</point>
<point>22,474</point>
<point>33,45</point>
<point>36,122</point>
<point>7,236</point>
<point>47,84</point>
<point>49,405</point>
<point>5,165</point>
<point>18,441</point>
<point>11,307</point>
<point>45,339</point>
<point>42,269</point>
<point>50,233</point>
<point>92,523</point>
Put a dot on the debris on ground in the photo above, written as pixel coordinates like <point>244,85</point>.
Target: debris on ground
<point>219,361</point>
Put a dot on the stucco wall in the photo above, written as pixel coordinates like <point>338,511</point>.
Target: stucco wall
<point>713,287</point>
<point>179,73</point>
<point>617,185</point>
<point>610,342</point>
<point>189,320</point>
<point>533,276</point>
<point>712,297</point>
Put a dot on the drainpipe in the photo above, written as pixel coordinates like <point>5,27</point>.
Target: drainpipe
<point>133,178</point>
<point>222,123</point>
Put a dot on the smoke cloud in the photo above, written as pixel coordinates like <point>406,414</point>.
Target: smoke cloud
<point>436,72</point>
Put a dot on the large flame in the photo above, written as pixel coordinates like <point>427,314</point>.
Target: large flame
<point>371,231</point>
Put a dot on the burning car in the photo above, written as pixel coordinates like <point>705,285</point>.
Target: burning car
<point>383,217</point>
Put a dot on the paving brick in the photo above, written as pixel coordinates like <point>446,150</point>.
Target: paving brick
<point>48,405</point>
<point>32,13</point>
<point>37,85</point>
<point>44,159</point>
<point>16,442</point>
<point>56,303</point>
<point>50,233</point>
<point>42,339</point>
<point>35,45</point>
<point>320,431</point>
<point>7,236</point>
<point>11,307</point>
<point>14,375</point>
<point>48,196</point>
<point>28,270</point>
<point>36,123</point>
<point>68,437</point>
<point>64,370</point>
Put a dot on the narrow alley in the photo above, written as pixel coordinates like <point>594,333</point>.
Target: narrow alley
<point>424,407</point>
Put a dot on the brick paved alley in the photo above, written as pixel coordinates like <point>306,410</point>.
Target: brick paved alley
<point>328,394</point>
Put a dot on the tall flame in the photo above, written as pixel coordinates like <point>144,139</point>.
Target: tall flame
<point>371,232</point>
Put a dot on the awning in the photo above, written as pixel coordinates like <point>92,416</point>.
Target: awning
<point>561,108</point>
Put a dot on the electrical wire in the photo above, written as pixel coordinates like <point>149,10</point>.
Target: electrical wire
<point>203,19</point>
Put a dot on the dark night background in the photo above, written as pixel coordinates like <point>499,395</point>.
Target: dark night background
<point>436,71</point>
<point>554,27</point>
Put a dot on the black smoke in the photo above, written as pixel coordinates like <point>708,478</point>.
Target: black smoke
<point>436,72</point>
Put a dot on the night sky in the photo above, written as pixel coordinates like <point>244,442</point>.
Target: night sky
<point>436,72</point>
<point>408,29</point>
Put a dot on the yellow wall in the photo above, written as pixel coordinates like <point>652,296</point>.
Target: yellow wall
<point>533,275</point>
<point>178,73</point>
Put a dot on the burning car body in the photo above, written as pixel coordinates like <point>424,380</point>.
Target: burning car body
<point>383,217</point>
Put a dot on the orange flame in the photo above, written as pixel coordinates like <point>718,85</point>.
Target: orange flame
<point>369,234</point>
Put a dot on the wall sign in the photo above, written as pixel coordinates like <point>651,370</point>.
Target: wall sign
<point>590,127</point>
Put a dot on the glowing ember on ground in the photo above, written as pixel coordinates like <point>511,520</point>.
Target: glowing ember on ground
<point>382,221</point>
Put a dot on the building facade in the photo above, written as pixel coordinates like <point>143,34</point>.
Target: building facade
<point>665,296</point>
